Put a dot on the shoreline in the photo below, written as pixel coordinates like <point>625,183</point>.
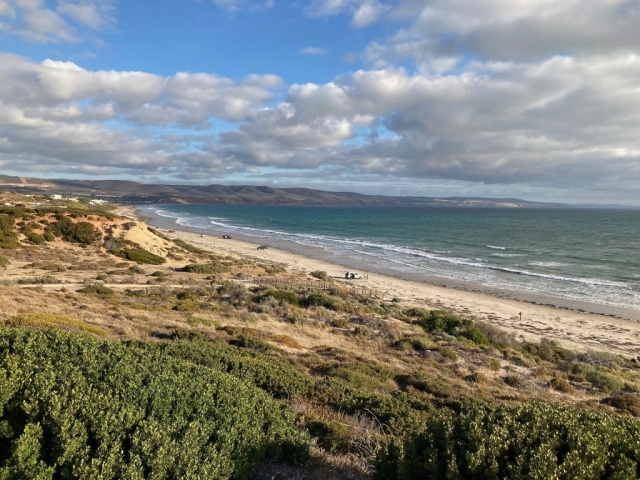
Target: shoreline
<point>581,324</point>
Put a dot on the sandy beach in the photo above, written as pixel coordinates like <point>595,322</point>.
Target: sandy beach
<point>563,320</point>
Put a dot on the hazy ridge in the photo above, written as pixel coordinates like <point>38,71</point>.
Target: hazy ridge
<point>133,192</point>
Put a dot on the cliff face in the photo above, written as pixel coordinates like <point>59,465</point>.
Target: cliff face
<point>126,191</point>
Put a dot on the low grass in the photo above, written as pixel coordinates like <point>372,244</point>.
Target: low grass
<point>286,341</point>
<point>189,248</point>
<point>48,320</point>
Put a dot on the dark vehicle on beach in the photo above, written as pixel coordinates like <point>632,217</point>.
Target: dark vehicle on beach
<point>226,237</point>
<point>263,247</point>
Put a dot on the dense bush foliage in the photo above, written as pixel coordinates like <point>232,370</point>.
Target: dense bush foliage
<point>282,296</point>
<point>81,232</point>
<point>36,238</point>
<point>319,299</point>
<point>8,237</point>
<point>209,268</point>
<point>438,320</point>
<point>537,441</point>
<point>320,275</point>
<point>75,407</point>
<point>400,413</point>
<point>140,255</point>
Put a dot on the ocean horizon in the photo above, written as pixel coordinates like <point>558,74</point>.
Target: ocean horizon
<point>577,254</point>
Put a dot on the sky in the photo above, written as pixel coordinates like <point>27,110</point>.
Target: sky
<point>534,99</point>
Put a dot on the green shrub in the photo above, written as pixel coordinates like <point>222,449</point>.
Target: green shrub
<point>203,321</point>
<point>15,212</point>
<point>139,255</point>
<point>206,269</point>
<point>81,232</point>
<point>36,238</point>
<point>158,234</point>
<point>605,381</point>
<point>536,441</point>
<point>447,353</point>
<point>492,363</point>
<point>235,292</point>
<point>4,260</point>
<point>332,436</point>
<point>97,290</point>
<point>74,407</point>
<point>317,299</point>
<point>280,379</point>
<point>320,275</point>
<point>362,375</point>
<point>8,236</point>
<point>282,296</point>
<point>189,248</point>
<point>45,280</point>
<point>561,384</point>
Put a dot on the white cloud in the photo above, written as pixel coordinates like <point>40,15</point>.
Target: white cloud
<point>367,13</point>
<point>314,51</point>
<point>93,14</point>
<point>565,122</point>
<point>6,9</point>
<point>519,30</point>
<point>51,114</point>
<point>250,5</point>
<point>534,93</point>
<point>363,12</point>
<point>55,21</point>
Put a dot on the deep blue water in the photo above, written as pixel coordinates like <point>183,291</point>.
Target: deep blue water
<point>591,255</point>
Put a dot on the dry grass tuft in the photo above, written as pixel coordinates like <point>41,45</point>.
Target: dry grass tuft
<point>48,320</point>
<point>286,341</point>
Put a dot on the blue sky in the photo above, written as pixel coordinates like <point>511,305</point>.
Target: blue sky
<point>522,98</point>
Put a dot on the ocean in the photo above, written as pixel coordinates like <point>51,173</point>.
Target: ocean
<point>586,255</point>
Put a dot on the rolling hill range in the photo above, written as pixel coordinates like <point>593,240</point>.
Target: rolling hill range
<point>125,191</point>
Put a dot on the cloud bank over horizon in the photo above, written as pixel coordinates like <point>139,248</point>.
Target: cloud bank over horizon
<point>530,96</point>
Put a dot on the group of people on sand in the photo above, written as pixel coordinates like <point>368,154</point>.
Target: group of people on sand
<point>353,276</point>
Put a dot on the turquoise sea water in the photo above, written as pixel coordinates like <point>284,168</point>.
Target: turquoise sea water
<point>591,255</point>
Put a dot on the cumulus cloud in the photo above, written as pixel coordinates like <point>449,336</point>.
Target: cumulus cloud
<point>53,113</point>
<point>55,21</point>
<point>363,12</point>
<point>439,33</point>
<point>565,122</point>
<point>498,96</point>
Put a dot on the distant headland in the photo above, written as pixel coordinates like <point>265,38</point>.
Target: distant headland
<point>126,191</point>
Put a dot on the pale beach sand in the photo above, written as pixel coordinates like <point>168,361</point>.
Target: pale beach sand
<point>557,319</point>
